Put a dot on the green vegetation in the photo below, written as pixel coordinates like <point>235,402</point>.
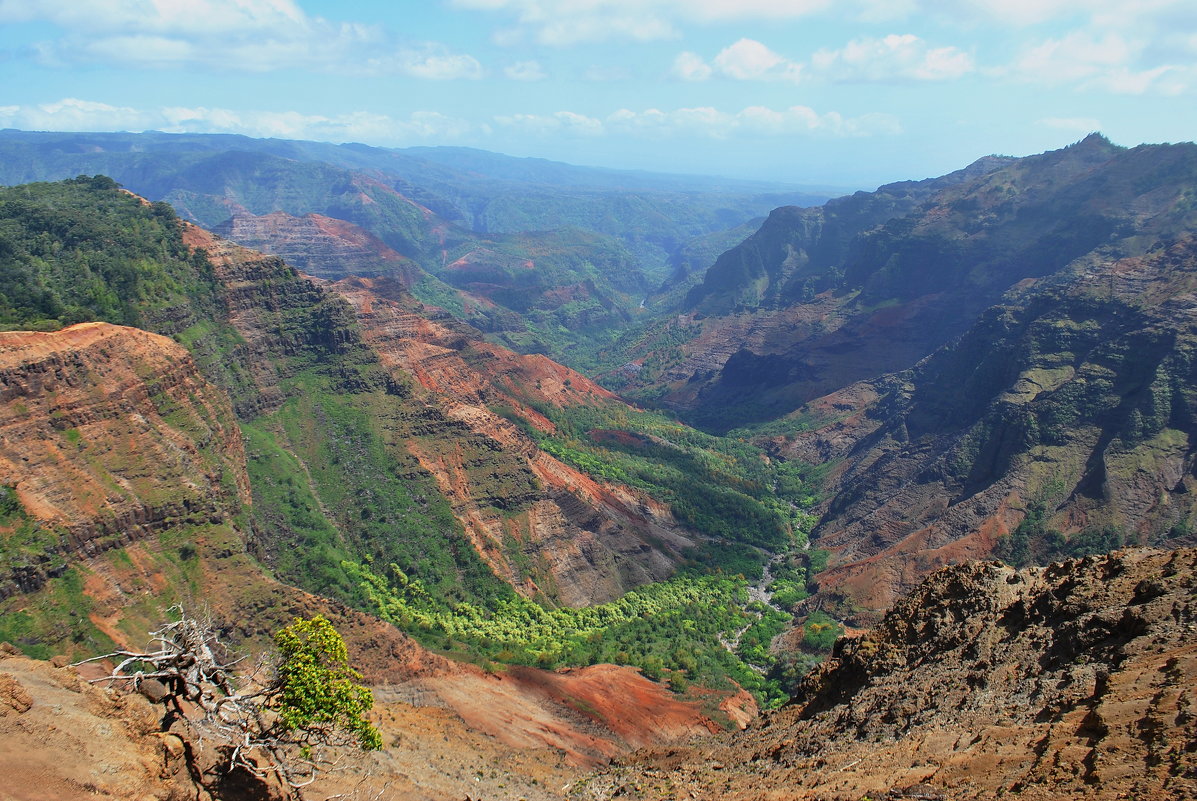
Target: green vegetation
<point>820,632</point>
<point>755,641</point>
<point>342,507</point>
<point>82,250</point>
<point>54,619</point>
<point>316,685</point>
<point>1034,542</point>
<point>351,496</point>
<point>794,576</point>
<point>669,626</point>
<point>26,546</point>
<point>723,488</point>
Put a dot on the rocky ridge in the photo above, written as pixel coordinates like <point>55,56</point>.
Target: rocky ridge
<point>1064,418</point>
<point>993,362</point>
<point>436,383</point>
<point>1071,681</point>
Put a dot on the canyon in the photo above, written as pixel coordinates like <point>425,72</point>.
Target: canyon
<point>886,392</point>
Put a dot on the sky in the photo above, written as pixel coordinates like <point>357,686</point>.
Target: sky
<point>842,93</point>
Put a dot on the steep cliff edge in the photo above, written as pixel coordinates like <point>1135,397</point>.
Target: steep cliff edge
<point>318,245</point>
<point>1071,681</point>
<point>125,491</point>
<point>996,364</point>
<point>109,435</point>
<point>363,347</point>
<point>819,299</point>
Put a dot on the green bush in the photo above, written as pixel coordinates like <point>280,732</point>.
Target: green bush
<point>316,684</point>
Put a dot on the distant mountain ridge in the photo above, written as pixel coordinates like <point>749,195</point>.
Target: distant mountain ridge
<point>434,207</point>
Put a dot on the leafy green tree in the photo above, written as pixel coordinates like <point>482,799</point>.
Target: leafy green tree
<point>316,686</point>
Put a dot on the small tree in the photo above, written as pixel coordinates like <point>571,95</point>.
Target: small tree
<point>279,718</point>
<point>317,689</point>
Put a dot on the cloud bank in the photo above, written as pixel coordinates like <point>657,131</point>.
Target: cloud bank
<point>73,114</point>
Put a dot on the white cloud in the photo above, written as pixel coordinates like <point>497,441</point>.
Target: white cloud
<point>744,60</point>
<point>159,16</point>
<point>896,57</point>
<point>1109,62</point>
<point>1146,46</point>
<point>690,67</point>
<point>525,71</point>
<point>72,114</point>
<point>437,64</point>
<point>561,122</point>
<point>567,22</point>
<point>705,121</point>
<point>748,59</point>
<point>226,35</point>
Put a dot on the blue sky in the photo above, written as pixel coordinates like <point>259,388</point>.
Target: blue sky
<point>848,93</point>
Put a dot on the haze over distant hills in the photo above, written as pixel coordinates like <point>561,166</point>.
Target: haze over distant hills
<point>466,220</point>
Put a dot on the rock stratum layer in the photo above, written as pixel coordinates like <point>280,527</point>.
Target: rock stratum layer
<point>1063,421</point>
<point>998,361</point>
<point>110,435</point>
<point>1071,681</point>
<point>592,540</point>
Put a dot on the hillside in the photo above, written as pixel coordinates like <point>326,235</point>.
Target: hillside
<point>998,362</point>
<point>993,362</point>
<point>497,507</point>
<point>1061,423</point>
<point>818,299</point>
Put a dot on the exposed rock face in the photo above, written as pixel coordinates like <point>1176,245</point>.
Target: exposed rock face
<point>318,245</point>
<point>540,524</point>
<point>873,283</point>
<point>111,435</point>
<point>65,739</point>
<point>772,292</point>
<point>1071,681</point>
<point>1010,347</point>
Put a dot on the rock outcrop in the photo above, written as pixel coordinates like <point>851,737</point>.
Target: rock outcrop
<point>1071,681</point>
<point>1063,421</point>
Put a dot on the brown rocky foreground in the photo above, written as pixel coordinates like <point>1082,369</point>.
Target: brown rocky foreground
<point>1078,680</point>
